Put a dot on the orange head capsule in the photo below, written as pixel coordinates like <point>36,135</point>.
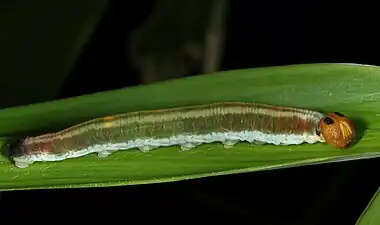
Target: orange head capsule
<point>337,130</point>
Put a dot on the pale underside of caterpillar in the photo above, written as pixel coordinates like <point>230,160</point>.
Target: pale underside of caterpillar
<point>188,127</point>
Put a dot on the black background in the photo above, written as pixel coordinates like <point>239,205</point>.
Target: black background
<point>259,33</point>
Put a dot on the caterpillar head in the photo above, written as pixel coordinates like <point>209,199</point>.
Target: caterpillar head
<point>337,130</point>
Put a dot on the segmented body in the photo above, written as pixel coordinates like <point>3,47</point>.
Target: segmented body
<point>226,122</point>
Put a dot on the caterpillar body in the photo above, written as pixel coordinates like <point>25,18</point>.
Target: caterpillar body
<point>188,127</point>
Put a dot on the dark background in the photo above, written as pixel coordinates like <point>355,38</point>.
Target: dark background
<point>259,33</point>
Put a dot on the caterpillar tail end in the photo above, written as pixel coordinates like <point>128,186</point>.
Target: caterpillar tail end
<point>17,152</point>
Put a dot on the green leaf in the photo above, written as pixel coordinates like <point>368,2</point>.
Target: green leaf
<point>350,89</point>
<point>371,215</point>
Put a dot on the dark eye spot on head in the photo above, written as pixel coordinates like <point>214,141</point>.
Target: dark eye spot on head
<point>339,114</point>
<point>328,120</point>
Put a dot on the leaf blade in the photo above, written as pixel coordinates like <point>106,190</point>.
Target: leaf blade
<point>371,215</point>
<point>327,87</point>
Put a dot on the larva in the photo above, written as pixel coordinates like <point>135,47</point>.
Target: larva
<point>188,127</point>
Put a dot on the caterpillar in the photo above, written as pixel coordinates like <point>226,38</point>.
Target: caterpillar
<point>188,127</point>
